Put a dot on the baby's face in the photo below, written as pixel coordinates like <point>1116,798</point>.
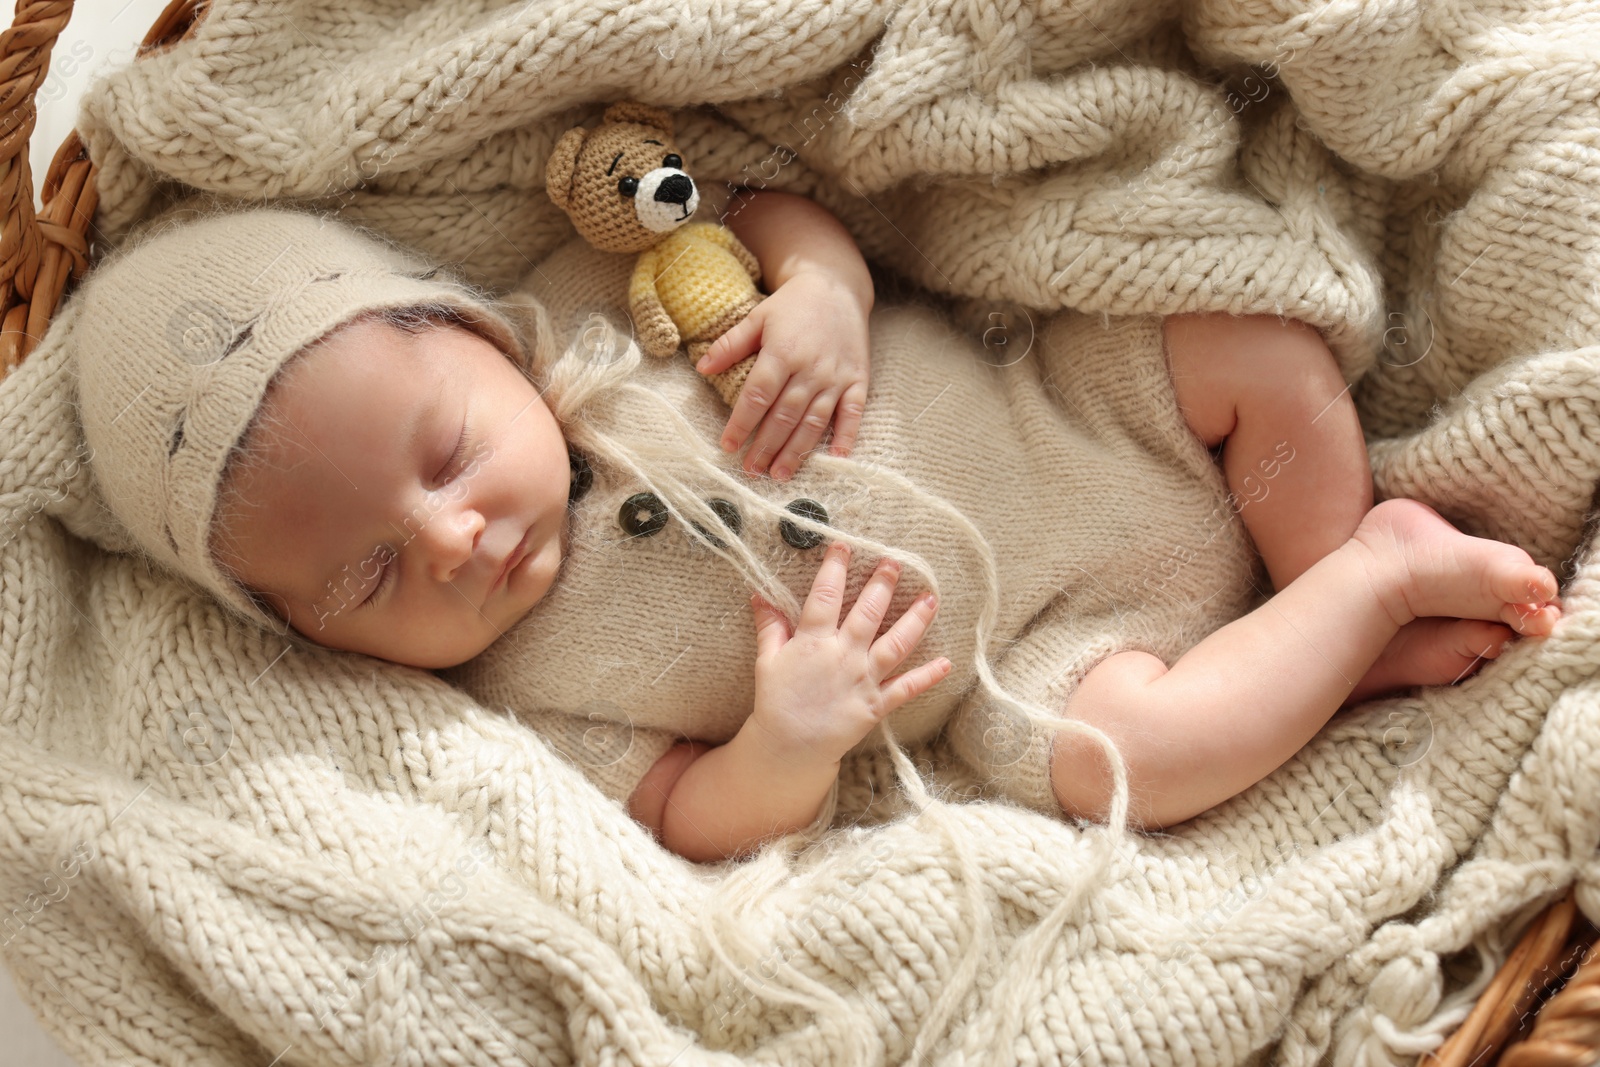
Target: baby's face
<point>404,472</point>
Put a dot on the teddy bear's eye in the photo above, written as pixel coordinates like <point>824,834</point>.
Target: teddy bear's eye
<point>673,160</point>
<point>628,186</point>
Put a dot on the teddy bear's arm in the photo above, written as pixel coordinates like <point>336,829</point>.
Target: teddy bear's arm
<point>658,334</point>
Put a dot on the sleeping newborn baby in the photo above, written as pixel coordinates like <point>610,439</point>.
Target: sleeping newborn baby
<point>373,458</point>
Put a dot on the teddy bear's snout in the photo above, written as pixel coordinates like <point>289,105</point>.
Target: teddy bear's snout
<point>666,199</point>
<point>676,189</point>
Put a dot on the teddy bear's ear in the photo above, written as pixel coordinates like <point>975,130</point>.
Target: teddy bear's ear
<point>562,165</point>
<point>633,111</point>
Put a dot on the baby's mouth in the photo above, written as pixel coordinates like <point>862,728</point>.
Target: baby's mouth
<point>513,561</point>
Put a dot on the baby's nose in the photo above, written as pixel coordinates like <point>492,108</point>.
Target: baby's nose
<point>452,542</point>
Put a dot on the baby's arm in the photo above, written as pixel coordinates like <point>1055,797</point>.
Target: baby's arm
<point>735,798</point>
<point>818,692</point>
<point>811,333</point>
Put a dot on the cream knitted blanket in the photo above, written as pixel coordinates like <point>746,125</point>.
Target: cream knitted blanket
<point>211,852</point>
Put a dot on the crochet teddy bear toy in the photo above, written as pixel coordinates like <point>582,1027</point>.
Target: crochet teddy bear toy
<point>624,187</point>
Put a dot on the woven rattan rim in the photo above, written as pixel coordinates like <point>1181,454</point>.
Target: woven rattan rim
<point>1558,944</point>
<point>41,255</point>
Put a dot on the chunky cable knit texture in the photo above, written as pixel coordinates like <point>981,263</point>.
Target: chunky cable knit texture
<point>217,851</point>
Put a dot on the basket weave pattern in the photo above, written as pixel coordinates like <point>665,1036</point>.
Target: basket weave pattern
<point>41,254</point>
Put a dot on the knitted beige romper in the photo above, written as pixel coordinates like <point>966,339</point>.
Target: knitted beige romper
<point>1106,521</point>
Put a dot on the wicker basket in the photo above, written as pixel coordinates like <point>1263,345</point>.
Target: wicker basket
<point>1541,1010</point>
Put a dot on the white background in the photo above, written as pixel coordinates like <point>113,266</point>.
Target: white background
<point>101,34</point>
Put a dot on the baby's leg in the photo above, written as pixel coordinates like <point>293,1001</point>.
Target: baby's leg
<point>1270,392</point>
<point>1241,702</point>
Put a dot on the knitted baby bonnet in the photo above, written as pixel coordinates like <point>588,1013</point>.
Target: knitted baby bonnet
<point>180,334</point>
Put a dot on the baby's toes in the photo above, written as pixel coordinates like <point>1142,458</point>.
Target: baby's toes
<point>1533,620</point>
<point>1459,647</point>
<point>1516,579</point>
<point>1475,639</point>
<point>1521,584</point>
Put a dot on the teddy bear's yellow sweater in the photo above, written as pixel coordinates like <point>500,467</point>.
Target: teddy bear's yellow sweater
<point>696,276</point>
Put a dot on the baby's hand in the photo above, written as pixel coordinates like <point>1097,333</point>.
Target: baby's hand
<point>812,335</point>
<point>823,689</point>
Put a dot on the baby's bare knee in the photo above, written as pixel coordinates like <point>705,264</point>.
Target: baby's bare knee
<point>1261,371</point>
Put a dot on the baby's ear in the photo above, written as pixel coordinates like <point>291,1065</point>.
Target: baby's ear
<point>562,166</point>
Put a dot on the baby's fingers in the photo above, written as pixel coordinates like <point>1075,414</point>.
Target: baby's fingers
<point>890,650</point>
<point>805,437</point>
<point>765,384</point>
<point>743,339</point>
<point>780,423</point>
<point>872,603</point>
<point>847,419</point>
<point>772,629</point>
<point>820,613</point>
<point>912,684</point>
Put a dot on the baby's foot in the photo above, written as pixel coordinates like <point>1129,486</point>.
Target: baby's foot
<point>1421,566</point>
<point>1432,652</point>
